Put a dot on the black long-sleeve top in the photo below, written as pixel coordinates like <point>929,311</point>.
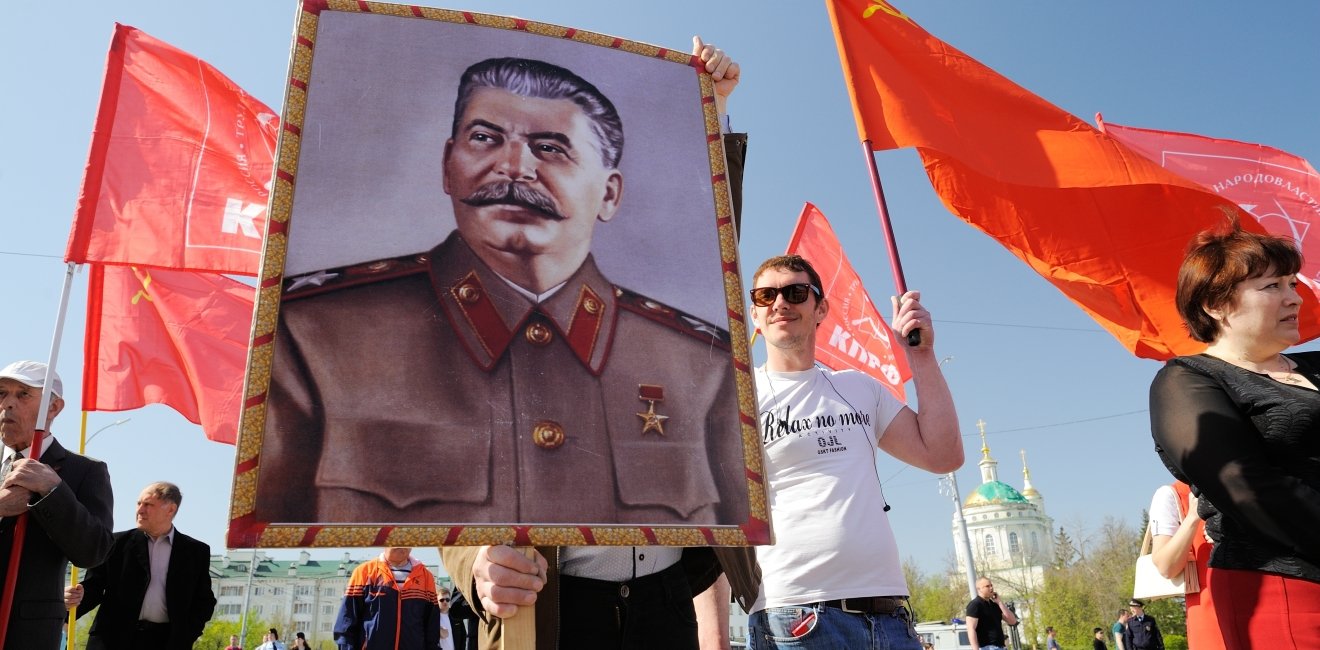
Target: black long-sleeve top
<point>1251,446</point>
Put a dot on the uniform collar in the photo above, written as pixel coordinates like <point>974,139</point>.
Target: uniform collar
<point>487,313</point>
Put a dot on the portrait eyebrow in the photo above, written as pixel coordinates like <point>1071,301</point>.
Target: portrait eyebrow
<point>478,122</point>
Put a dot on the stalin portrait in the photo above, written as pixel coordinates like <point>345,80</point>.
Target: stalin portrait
<point>499,377</point>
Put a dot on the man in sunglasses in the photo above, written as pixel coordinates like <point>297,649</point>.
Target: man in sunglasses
<point>833,577</point>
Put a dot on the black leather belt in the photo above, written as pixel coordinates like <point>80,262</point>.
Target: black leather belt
<point>870,605</point>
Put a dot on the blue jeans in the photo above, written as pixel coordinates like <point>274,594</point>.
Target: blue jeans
<point>833,629</point>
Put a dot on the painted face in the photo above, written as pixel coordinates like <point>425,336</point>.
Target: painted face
<point>1263,312</point>
<point>784,324</point>
<point>19,404</point>
<point>526,177</point>
<point>154,515</point>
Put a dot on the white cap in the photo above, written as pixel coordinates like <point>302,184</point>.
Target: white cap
<point>33,373</point>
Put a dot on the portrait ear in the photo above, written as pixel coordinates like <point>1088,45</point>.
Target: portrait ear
<point>612,198</point>
<point>822,308</point>
<point>444,166</point>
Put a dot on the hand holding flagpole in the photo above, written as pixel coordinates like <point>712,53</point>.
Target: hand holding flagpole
<point>895,266</point>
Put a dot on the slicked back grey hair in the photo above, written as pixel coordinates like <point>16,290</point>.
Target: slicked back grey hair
<point>541,80</point>
<point>165,491</point>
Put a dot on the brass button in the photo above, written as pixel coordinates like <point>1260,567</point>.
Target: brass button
<point>538,334</point>
<point>469,293</point>
<point>591,305</point>
<point>548,434</point>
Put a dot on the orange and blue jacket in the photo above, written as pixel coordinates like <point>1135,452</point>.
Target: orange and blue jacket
<point>378,616</point>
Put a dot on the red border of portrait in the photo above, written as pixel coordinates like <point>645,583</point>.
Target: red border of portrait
<point>246,531</point>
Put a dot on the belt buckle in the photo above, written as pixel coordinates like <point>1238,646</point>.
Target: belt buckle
<point>843,605</point>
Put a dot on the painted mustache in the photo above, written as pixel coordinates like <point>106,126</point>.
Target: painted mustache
<point>516,194</point>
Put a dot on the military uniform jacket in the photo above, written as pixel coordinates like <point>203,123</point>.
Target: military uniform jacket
<point>1142,634</point>
<point>596,406</point>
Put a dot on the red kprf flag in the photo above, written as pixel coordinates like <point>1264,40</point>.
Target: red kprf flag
<point>1280,190</point>
<point>156,336</point>
<point>853,334</point>
<point>1102,223</point>
<point>180,165</point>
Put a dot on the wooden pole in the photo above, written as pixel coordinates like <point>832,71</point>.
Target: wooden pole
<point>895,266</point>
<point>519,630</point>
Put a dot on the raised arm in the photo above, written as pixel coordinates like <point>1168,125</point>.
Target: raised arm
<point>928,439</point>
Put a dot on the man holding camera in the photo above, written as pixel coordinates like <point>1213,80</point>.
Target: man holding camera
<point>986,615</point>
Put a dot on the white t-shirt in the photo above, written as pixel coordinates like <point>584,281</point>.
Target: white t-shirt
<point>446,632</point>
<point>1164,517</point>
<point>820,429</point>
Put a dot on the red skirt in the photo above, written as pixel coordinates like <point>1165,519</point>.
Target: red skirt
<point>1202,622</point>
<point>1265,611</point>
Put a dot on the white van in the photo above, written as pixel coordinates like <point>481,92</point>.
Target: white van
<point>944,635</point>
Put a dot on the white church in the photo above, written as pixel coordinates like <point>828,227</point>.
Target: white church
<point>1012,537</point>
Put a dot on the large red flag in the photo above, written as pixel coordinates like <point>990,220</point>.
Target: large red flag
<point>858,337</point>
<point>177,338</point>
<point>180,165</point>
<point>1104,224</point>
<point>1280,190</point>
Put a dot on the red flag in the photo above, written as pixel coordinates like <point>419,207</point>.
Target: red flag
<point>856,336</point>
<point>1104,224</point>
<point>180,165</point>
<point>1280,190</point>
<point>177,338</point>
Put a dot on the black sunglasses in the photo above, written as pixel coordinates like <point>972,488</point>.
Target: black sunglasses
<point>793,293</point>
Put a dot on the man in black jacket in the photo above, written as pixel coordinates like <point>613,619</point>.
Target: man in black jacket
<point>155,589</point>
<point>67,498</point>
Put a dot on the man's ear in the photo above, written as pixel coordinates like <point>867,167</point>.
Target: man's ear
<point>613,197</point>
<point>822,310</point>
<point>444,167</point>
<point>56,405</point>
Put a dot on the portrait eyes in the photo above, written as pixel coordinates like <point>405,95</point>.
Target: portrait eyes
<point>482,137</point>
<point>550,149</point>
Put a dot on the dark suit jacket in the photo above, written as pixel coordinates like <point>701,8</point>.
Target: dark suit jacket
<point>71,524</point>
<point>120,584</point>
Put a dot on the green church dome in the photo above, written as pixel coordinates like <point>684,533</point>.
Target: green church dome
<point>994,492</point>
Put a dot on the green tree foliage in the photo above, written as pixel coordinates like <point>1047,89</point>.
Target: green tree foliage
<point>935,597</point>
<point>216,634</point>
<point>1087,592</point>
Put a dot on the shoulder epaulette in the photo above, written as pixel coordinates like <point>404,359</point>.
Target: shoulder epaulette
<point>344,277</point>
<point>672,318</point>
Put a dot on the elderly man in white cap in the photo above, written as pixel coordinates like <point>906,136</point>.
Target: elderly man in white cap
<point>67,498</point>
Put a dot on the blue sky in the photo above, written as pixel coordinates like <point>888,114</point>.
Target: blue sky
<point>1042,375</point>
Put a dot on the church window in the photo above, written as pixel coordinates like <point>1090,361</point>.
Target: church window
<point>1013,547</point>
<point>989,545</point>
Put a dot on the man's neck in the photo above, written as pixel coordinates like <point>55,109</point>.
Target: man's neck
<point>781,360</point>
<point>538,273</point>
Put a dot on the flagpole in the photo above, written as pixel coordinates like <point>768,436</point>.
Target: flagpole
<point>72,624</point>
<point>895,266</point>
<point>20,526</point>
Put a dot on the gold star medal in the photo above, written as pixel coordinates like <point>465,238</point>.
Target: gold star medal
<point>651,421</point>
